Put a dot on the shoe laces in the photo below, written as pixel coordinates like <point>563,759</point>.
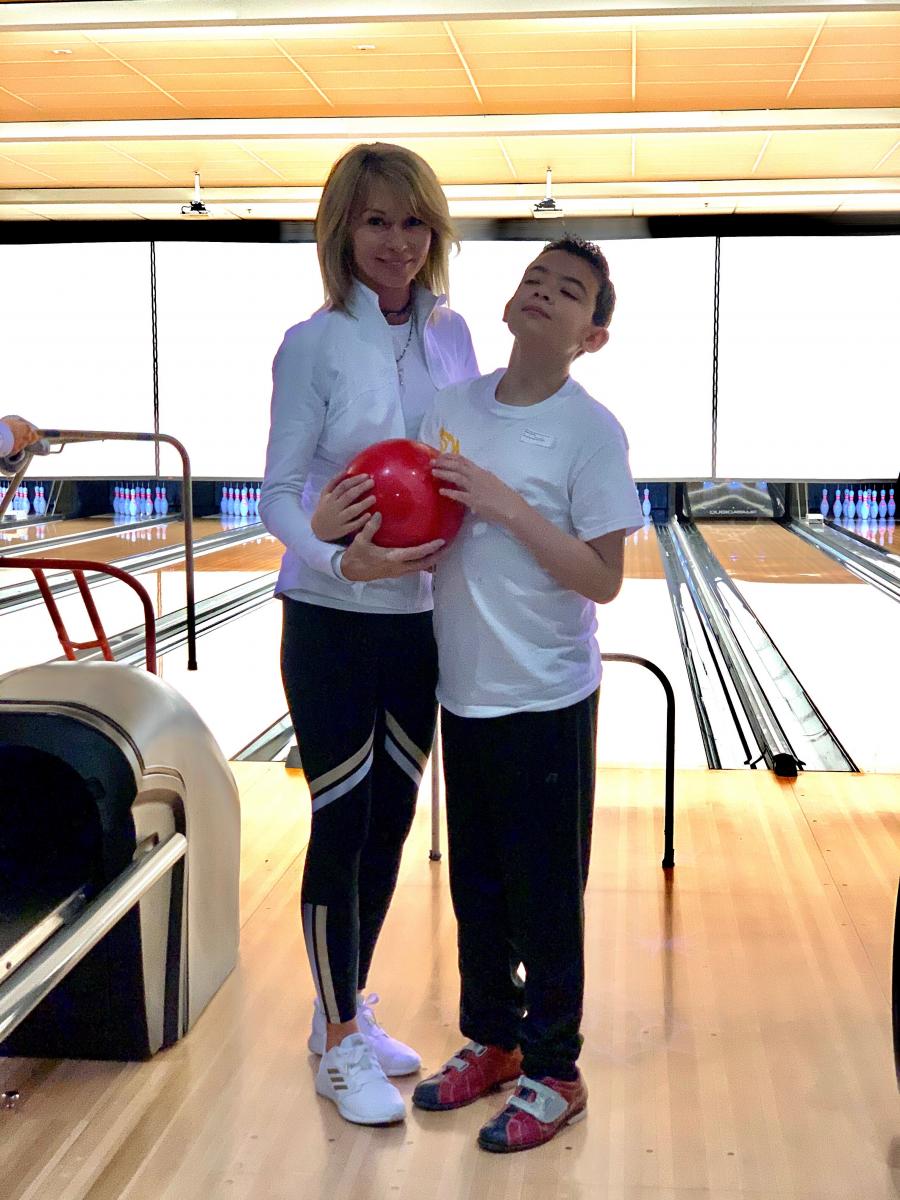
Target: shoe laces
<point>360,1059</point>
<point>364,1013</point>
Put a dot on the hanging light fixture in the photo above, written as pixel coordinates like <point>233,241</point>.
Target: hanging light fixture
<point>548,206</point>
<point>196,208</point>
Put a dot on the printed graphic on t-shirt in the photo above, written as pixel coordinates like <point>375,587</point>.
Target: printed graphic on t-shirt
<point>449,443</point>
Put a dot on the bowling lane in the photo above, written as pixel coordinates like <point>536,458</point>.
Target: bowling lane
<point>15,534</point>
<point>237,689</point>
<point>124,541</point>
<point>632,702</point>
<point>27,635</point>
<point>837,633</point>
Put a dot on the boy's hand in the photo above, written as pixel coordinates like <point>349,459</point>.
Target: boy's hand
<point>480,491</point>
<point>341,512</point>
<point>363,561</point>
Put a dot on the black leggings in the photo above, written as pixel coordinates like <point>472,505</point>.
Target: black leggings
<point>360,687</point>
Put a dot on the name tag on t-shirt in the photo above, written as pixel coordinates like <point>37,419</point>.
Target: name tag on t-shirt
<point>537,439</point>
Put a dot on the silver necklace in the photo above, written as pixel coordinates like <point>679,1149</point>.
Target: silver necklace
<point>398,361</point>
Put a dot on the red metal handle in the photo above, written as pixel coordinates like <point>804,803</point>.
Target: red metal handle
<point>78,566</point>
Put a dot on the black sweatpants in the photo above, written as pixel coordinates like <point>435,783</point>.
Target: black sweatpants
<point>520,796</point>
<point>360,688</point>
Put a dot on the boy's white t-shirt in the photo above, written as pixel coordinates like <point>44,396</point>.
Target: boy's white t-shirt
<point>510,638</point>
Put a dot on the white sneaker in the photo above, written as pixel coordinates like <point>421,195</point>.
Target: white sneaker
<point>395,1057</point>
<point>350,1076</point>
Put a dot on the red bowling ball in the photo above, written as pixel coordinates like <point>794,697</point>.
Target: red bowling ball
<point>406,494</point>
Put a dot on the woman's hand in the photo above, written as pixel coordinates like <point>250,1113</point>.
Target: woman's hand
<point>481,492</point>
<point>341,511</point>
<point>363,561</point>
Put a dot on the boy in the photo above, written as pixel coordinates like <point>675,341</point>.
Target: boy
<point>515,599</point>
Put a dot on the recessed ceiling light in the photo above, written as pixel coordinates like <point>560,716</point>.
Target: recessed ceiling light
<point>365,46</point>
<point>60,51</point>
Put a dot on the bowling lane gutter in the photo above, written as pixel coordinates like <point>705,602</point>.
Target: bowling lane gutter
<point>788,726</point>
<point>23,595</point>
<point>863,560</point>
<point>726,741</point>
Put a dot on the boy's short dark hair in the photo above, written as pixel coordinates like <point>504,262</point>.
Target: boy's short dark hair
<point>591,253</point>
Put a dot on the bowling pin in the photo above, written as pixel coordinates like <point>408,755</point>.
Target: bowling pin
<point>837,508</point>
<point>163,500</point>
<point>823,505</point>
<point>882,506</point>
<point>864,506</point>
<point>223,503</point>
<point>244,506</point>
<point>646,506</point>
<point>849,506</point>
<point>891,504</point>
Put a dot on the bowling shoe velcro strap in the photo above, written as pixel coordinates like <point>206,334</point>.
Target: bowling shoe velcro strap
<point>460,1064</point>
<point>538,1100</point>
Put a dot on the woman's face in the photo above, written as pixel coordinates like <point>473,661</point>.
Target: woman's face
<point>390,244</point>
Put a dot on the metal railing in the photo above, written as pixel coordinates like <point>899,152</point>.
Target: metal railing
<point>668,859</point>
<point>78,568</point>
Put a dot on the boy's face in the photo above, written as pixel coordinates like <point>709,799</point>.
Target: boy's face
<point>554,305</point>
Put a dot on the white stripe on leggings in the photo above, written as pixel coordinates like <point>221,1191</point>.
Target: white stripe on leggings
<point>315,922</point>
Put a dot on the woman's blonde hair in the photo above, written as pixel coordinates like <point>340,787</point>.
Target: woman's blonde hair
<point>345,193</point>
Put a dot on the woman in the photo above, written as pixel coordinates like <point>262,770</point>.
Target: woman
<point>358,657</point>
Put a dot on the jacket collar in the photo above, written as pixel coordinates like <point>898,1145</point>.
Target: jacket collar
<point>364,302</point>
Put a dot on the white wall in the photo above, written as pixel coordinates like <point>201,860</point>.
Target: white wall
<point>809,369</point>
<point>76,351</point>
<point>222,310</point>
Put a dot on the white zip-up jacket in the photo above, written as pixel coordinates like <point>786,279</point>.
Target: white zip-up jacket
<point>335,391</point>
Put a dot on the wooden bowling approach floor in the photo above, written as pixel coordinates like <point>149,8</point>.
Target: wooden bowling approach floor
<point>737,1026</point>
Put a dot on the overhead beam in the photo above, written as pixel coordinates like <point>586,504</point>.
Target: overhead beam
<point>173,14</point>
<point>571,192</point>
<point>516,125</point>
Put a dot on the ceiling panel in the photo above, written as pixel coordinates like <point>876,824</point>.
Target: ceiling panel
<point>691,96</point>
<point>696,156</point>
<point>890,164</point>
<point>573,159</point>
<point>801,155</point>
<point>861,94</point>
